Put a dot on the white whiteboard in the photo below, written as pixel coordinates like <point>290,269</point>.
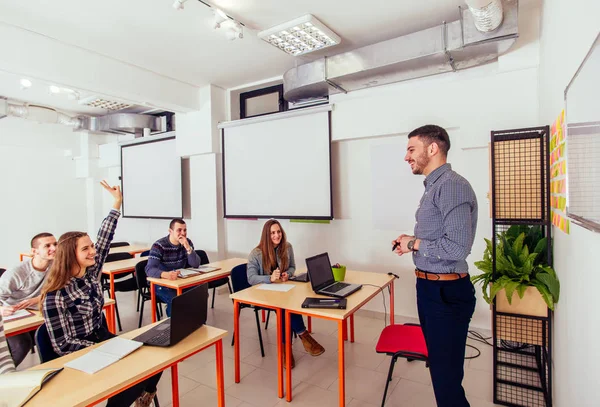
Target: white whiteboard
<point>279,168</point>
<point>151,179</point>
<point>583,142</point>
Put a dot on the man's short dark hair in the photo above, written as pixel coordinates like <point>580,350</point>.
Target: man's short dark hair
<point>174,221</point>
<point>36,238</point>
<point>431,133</point>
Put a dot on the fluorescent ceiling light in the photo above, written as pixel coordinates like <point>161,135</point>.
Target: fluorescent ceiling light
<point>300,36</point>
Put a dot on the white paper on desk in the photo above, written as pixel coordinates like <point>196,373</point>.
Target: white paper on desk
<point>284,288</point>
<point>22,313</point>
<point>105,355</point>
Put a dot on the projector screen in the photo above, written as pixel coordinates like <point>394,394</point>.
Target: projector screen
<point>278,166</point>
<point>151,179</point>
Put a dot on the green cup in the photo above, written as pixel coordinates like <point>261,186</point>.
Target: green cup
<point>339,273</point>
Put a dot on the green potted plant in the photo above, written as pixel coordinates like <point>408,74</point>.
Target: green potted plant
<point>521,268</point>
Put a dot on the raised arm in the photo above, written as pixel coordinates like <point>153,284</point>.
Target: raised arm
<point>193,260</point>
<point>59,329</point>
<point>107,228</point>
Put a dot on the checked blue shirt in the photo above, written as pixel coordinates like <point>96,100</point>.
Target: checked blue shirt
<point>446,222</point>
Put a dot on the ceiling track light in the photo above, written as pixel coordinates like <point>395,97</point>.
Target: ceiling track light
<point>220,17</point>
<point>235,32</point>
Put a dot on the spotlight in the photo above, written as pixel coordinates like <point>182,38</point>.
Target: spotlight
<point>178,4</point>
<point>234,32</point>
<point>220,17</point>
<point>25,83</point>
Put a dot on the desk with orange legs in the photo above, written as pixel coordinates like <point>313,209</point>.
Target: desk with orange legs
<point>75,388</point>
<point>291,302</point>
<point>180,284</point>
<point>31,323</point>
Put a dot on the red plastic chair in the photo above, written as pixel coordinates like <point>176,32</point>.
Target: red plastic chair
<point>401,341</point>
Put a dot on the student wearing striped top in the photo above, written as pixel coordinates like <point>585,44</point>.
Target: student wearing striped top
<point>169,254</point>
<point>72,298</point>
<point>6,362</point>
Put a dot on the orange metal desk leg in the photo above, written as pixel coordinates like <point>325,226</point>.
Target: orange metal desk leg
<point>392,303</point>
<point>309,329</point>
<point>341,364</point>
<point>179,290</point>
<point>220,380</point>
<point>112,286</point>
<point>263,316</point>
<point>352,328</point>
<point>288,355</point>
<point>175,385</point>
<point>280,351</point>
<point>110,318</point>
<point>21,257</point>
<point>345,329</point>
<point>236,339</point>
<point>153,301</point>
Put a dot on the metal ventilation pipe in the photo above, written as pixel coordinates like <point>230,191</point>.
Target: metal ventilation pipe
<point>487,14</point>
<point>42,114</point>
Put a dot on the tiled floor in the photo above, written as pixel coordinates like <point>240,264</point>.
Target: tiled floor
<point>315,378</point>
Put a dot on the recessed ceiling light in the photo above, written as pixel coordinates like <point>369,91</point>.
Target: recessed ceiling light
<point>178,4</point>
<point>54,89</point>
<point>300,36</point>
<point>25,83</point>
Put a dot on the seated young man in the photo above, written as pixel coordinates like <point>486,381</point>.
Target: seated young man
<point>168,254</point>
<point>21,286</point>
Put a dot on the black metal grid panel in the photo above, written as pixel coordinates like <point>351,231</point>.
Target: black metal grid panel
<point>520,196</point>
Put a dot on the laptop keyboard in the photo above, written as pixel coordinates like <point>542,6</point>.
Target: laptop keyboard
<point>336,287</point>
<point>162,338</point>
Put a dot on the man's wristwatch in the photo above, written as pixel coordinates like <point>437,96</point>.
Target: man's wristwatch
<point>411,244</point>
<point>190,251</point>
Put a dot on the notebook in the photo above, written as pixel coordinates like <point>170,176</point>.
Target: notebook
<point>17,388</point>
<point>22,313</point>
<point>194,271</point>
<point>104,355</point>
<point>335,303</point>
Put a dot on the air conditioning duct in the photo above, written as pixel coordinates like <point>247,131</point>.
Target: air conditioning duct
<point>445,48</point>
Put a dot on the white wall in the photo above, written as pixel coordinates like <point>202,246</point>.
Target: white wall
<point>471,103</point>
<point>40,191</point>
<point>568,29</point>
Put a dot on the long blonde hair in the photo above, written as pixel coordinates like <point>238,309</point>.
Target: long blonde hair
<point>267,248</point>
<point>61,271</point>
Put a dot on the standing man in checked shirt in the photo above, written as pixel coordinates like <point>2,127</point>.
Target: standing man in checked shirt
<point>446,221</point>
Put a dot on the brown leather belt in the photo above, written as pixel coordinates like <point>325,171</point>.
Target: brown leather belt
<point>440,276</point>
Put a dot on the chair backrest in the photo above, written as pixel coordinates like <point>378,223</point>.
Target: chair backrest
<point>2,271</point>
<point>239,278</point>
<point>203,257</point>
<point>140,274</point>
<point>145,253</point>
<point>117,257</point>
<point>119,244</point>
<point>42,341</point>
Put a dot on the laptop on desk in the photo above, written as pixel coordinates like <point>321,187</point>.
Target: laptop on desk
<point>188,313</point>
<point>322,281</point>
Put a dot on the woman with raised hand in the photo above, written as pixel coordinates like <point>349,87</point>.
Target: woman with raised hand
<point>273,261</point>
<point>72,298</point>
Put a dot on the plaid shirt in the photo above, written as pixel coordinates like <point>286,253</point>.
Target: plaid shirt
<point>75,311</point>
<point>446,221</point>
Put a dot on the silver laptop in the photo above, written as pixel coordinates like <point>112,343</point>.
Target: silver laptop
<point>322,281</point>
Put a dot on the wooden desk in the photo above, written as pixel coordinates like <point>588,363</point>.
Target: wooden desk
<point>32,323</point>
<point>75,388</point>
<point>291,302</point>
<point>114,268</point>
<point>132,249</point>
<point>180,284</point>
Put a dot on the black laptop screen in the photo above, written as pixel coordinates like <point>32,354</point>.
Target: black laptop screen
<point>319,271</point>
